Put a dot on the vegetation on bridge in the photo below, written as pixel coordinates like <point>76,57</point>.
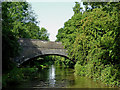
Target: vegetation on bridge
<point>92,39</point>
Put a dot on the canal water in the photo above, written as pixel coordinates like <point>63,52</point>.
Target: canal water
<point>59,77</point>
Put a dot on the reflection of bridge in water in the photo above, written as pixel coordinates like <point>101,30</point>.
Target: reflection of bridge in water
<point>33,48</point>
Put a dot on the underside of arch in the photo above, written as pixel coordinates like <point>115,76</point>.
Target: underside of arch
<point>37,56</point>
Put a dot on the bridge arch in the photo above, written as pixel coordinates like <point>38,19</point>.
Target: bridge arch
<point>33,48</point>
<point>37,56</point>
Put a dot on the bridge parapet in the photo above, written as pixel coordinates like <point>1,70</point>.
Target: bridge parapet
<point>40,44</point>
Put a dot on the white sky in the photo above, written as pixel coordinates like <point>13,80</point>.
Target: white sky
<point>52,15</point>
<point>53,0</point>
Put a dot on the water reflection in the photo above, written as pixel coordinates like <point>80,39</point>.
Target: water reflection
<point>52,76</point>
<point>59,77</point>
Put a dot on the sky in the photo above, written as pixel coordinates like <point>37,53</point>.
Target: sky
<point>52,15</point>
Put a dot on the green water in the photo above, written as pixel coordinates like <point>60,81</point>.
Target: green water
<point>59,77</point>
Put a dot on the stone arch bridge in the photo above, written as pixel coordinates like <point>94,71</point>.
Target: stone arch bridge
<point>33,48</point>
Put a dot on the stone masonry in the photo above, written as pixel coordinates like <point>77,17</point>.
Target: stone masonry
<point>32,48</point>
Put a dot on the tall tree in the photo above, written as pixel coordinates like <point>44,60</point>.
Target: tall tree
<point>92,39</point>
<point>18,21</point>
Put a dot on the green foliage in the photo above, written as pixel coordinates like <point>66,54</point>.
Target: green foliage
<point>18,75</point>
<point>60,35</point>
<point>14,77</point>
<point>92,39</point>
<point>62,61</point>
<point>19,18</point>
<point>18,21</point>
<point>29,73</point>
<point>77,8</point>
<point>43,34</point>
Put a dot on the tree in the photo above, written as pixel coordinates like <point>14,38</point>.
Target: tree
<point>77,8</point>
<point>43,35</point>
<point>60,34</point>
<point>92,39</point>
<point>18,21</point>
<point>68,33</point>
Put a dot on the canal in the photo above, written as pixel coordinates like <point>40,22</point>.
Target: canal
<point>60,77</point>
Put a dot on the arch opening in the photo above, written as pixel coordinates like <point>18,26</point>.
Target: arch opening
<point>42,58</point>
